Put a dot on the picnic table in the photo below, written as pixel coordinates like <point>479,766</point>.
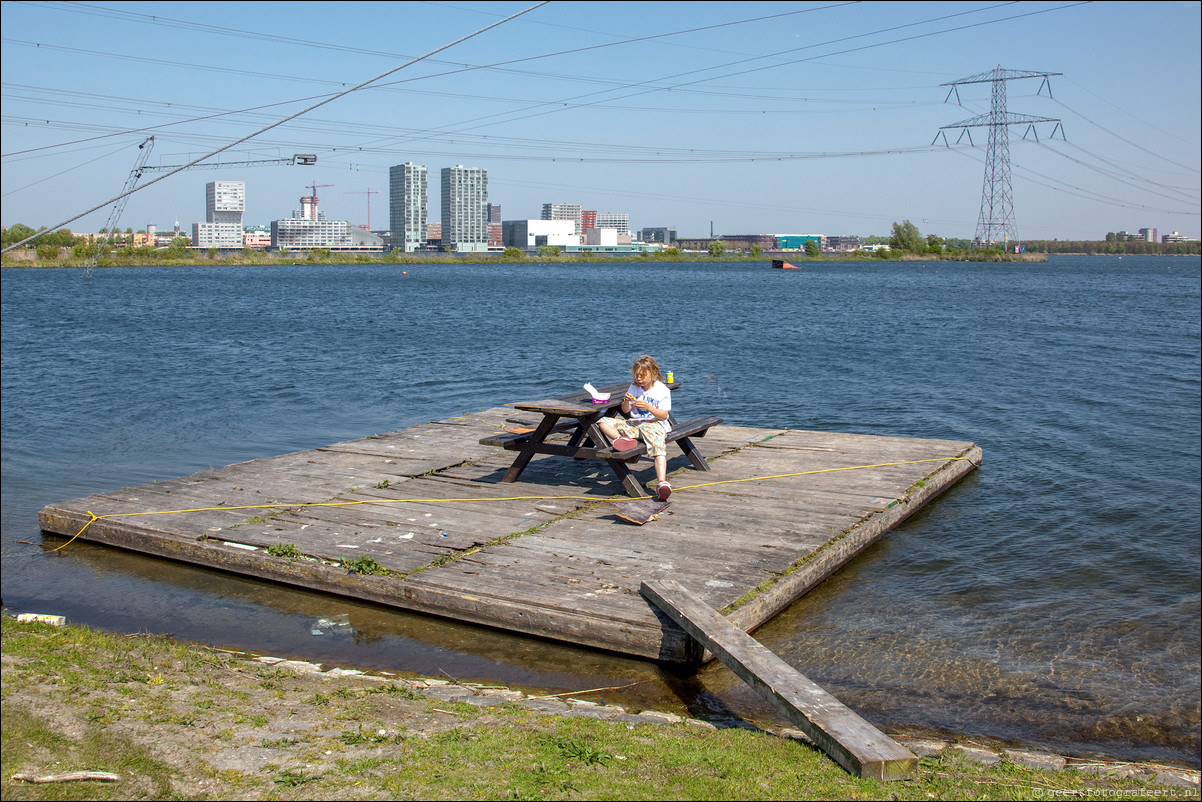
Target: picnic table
<point>578,415</point>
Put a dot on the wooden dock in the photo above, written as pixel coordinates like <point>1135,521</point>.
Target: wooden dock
<point>417,519</point>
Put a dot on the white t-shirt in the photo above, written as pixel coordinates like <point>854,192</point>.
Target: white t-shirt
<point>659,396</point>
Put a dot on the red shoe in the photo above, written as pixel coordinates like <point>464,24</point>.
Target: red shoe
<point>663,491</point>
<point>625,443</point>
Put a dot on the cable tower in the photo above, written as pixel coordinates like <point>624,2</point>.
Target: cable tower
<point>996,220</point>
<point>110,226</point>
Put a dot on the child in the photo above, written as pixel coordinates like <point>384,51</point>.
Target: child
<point>648,402</point>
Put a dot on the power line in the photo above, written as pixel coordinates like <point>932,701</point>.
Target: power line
<point>281,122</point>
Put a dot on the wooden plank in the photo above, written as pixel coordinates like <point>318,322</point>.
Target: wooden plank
<point>850,741</point>
<point>638,512</point>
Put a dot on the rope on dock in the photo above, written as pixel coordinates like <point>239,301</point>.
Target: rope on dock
<point>93,517</point>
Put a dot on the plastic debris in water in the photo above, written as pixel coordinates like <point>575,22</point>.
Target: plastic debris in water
<point>329,623</point>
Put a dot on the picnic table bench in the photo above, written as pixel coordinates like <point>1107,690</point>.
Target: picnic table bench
<point>578,415</point>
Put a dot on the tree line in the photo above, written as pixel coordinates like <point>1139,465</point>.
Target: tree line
<point>908,239</point>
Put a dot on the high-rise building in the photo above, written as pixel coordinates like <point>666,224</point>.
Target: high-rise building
<point>407,192</point>
<point>464,208</point>
<point>563,211</point>
<point>618,220</point>
<point>225,201</point>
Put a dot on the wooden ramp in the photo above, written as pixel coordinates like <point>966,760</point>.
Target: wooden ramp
<point>850,741</point>
<point>417,519</point>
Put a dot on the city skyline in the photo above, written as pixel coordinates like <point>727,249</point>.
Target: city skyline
<point>758,117</point>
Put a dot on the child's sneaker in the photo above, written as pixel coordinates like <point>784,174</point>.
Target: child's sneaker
<point>625,443</point>
<point>663,491</point>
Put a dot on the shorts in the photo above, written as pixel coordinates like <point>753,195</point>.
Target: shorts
<point>652,432</point>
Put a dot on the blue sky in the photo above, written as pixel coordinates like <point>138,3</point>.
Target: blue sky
<point>751,117</point>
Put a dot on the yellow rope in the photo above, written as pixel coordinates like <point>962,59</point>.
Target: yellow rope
<point>821,470</point>
<point>93,517</point>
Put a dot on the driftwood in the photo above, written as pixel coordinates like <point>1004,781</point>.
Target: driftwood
<point>638,512</point>
<point>70,776</point>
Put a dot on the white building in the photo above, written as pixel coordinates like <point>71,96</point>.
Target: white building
<point>216,235</point>
<point>465,209</point>
<point>531,234</point>
<point>225,201</point>
<point>603,236</point>
<point>300,234</point>
<point>564,211</point>
<point>407,211</point>
<point>615,220</point>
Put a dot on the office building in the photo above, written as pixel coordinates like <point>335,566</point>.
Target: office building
<point>616,220</point>
<point>308,229</point>
<point>564,211</point>
<point>464,209</point>
<point>225,201</point>
<point>658,234</point>
<point>407,212</point>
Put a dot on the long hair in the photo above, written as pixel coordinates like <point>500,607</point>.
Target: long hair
<point>646,366</point>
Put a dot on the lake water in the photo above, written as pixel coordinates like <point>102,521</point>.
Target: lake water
<point>1050,599</point>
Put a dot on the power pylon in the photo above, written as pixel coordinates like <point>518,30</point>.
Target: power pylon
<point>996,221</point>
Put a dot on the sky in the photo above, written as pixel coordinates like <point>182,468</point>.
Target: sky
<point>721,118</point>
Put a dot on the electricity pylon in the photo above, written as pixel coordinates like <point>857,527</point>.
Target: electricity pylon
<point>110,226</point>
<point>996,221</point>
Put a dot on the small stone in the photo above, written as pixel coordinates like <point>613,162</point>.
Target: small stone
<point>925,747</point>
<point>657,717</point>
<point>979,755</point>
<point>545,705</point>
<point>1035,760</point>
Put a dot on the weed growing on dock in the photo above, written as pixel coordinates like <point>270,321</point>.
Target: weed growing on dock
<point>288,550</point>
<point>363,565</point>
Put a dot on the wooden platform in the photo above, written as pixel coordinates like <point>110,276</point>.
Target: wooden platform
<point>545,556</point>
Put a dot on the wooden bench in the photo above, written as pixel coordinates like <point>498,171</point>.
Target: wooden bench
<point>681,433</point>
<point>578,415</point>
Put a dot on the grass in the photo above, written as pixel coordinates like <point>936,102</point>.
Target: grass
<point>174,718</point>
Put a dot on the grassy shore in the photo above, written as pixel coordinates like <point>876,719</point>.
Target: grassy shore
<point>256,258</point>
<point>173,720</point>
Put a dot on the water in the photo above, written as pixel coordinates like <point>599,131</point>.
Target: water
<point>1051,599</point>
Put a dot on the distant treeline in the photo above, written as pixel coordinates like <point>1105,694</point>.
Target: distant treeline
<point>1192,248</point>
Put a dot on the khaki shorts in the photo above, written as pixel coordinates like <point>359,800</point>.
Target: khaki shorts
<point>652,432</point>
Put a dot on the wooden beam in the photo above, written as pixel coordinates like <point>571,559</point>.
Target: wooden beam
<point>850,741</point>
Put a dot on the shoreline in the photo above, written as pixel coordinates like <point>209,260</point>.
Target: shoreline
<point>984,750</point>
<point>31,260</point>
<point>267,726</point>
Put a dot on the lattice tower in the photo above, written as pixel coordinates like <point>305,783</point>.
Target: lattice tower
<point>996,220</point>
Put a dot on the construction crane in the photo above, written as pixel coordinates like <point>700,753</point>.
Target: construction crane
<point>306,159</point>
<point>110,226</point>
<point>140,168</point>
<point>369,192</point>
<point>309,202</point>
